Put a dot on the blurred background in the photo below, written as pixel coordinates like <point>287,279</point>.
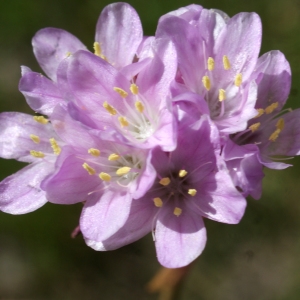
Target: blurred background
<point>257,259</point>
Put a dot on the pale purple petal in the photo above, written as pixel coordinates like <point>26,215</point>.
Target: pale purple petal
<point>138,224</point>
<point>219,199</point>
<point>102,216</point>
<point>154,81</point>
<point>70,183</point>
<point>274,80</point>
<point>92,80</point>
<point>179,240</point>
<point>189,13</point>
<point>51,46</point>
<point>20,193</point>
<point>190,59</point>
<point>119,33</point>
<point>240,41</point>
<point>41,94</point>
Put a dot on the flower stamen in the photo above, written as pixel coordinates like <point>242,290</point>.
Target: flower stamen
<point>123,121</point>
<point>158,202</point>
<point>226,62</point>
<point>121,92</point>
<point>41,119</point>
<point>139,106</point>
<point>113,156</point>
<point>254,126</point>
<point>177,211</point>
<point>260,111</point>
<point>238,79</point>
<point>104,176</point>
<point>109,108</point>
<point>35,138</point>
<point>37,154</point>
<point>94,152</point>
<point>222,95</point>
<point>89,169</point>
<point>165,181</point>
<point>134,89</point>
<point>182,173</point>
<point>192,192</point>
<point>206,82</point>
<point>210,64</point>
<point>123,171</point>
<point>271,108</point>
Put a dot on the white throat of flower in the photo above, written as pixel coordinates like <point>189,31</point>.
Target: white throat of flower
<point>113,168</point>
<point>138,121</point>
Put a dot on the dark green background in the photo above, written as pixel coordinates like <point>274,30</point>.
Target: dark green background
<point>257,259</point>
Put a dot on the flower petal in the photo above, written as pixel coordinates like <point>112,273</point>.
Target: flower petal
<point>138,224</point>
<point>179,240</point>
<point>274,80</point>
<point>20,193</point>
<point>240,41</point>
<point>41,94</point>
<point>219,199</point>
<point>70,183</point>
<point>102,216</point>
<point>119,33</point>
<point>51,46</point>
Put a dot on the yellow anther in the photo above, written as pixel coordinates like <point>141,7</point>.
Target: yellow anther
<point>121,92</point>
<point>192,192</point>
<point>68,54</point>
<point>94,152</point>
<point>55,147</point>
<point>123,171</point>
<point>139,106</point>
<point>177,211</point>
<point>254,126</point>
<point>89,169</point>
<point>40,119</point>
<point>165,181</point>
<point>280,124</point>
<point>104,176</point>
<point>158,202</point>
<point>98,51</point>
<point>260,112</point>
<point>109,108</point>
<point>182,173</point>
<point>238,79</point>
<point>206,82</point>
<point>271,108</point>
<point>35,138</point>
<point>134,89</point>
<point>37,154</point>
<point>273,137</point>
<point>114,156</point>
<point>123,121</point>
<point>210,64</point>
<point>222,95</point>
<point>226,62</point>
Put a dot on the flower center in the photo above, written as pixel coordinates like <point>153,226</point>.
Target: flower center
<point>214,94</point>
<point>174,188</point>
<point>113,167</point>
<point>137,122</point>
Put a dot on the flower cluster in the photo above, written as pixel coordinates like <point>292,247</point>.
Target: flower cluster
<point>152,134</point>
